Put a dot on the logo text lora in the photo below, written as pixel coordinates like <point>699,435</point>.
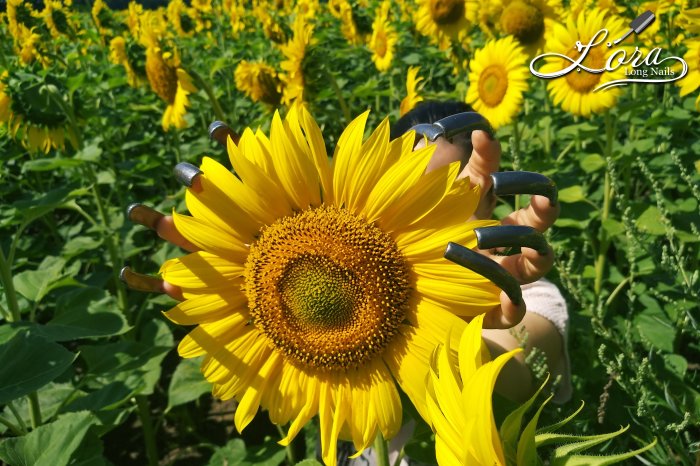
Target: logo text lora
<point>648,66</point>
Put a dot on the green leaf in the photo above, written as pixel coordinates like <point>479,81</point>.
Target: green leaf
<point>35,284</point>
<point>308,462</point>
<point>51,398</point>
<point>656,330</point>
<point>676,364</point>
<point>49,445</point>
<point>592,163</point>
<point>56,163</point>
<point>30,361</point>
<point>187,383</point>
<point>651,222</point>
<point>510,428</point>
<point>85,312</point>
<point>231,454</point>
<point>557,425</point>
<point>572,194</point>
<point>527,447</point>
<point>235,453</point>
<point>40,206</point>
<point>421,446</point>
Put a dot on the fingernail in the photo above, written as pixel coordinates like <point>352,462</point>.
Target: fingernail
<point>464,123</point>
<point>429,130</point>
<point>186,173</point>
<point>521,182</point>
<point>486,268</point>
<point>140,282</point>
<point>220,132</point>
<point>519,236</point>
<point>143,215</point>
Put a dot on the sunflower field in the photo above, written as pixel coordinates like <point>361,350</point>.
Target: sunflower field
<point>327,219</point>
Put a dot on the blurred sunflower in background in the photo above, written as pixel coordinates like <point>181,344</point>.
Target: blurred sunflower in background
<point>103,17</point>
<point>384,38</point>
<point>497,80</point>
<point>171,83</point>
<point>691,82</point>
<point>445,21</point>
<point>237,13</point>
<point>180,16</point>
<point>258,81</point>
<point>292,66</point>
<point>321,285</point>
<point>33,109</point>
<point>575,91</point>
<point>529,21</point>
<point>119,54</point>
<point>58,19</point>
<point>413,88</point>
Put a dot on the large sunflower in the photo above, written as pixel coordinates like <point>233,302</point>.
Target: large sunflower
<point>320,285</point>
<point>445,21</point>
<point>576,92</point>
<point>497,79</point>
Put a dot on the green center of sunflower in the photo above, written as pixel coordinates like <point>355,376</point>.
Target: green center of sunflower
<point>581,80</point>
<point>524,21</point>
<point>327,289</point>
<point>493,84</point>
<point>446,11</point>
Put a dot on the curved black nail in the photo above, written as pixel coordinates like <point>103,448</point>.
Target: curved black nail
<point>511,236</point>
<point>486,268</point>
<point>186,173</point>
<point>140,282</point>
<point>143,215</point>
<point>454,125</point>
<point>220,132</point>
<point>464,123</point>
<point>505,183</point>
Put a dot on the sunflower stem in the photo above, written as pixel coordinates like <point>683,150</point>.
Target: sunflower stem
<point>607,193</point>
<point>341,100</point>
<point>149,436</point>
<point>289,449</point>
<point>9,287</point>
<point>381,450</point>
<point>20,422</point>
<point>35,409</point>
<point>15,430</point>
<point>216,107</point>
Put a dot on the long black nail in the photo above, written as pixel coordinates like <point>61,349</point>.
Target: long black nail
<point>186,173</point>
<point>517,182</point>
<point>220,132</point>
<point>140,282</point>
<point>464,123</point>
<point>486,268</point>
<point>511,236</point>
<point>143,215</point>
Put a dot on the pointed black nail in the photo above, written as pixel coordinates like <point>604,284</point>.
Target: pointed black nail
<point>220,132</point>
<point>186,173</point>
<point>486,268</point>
<point>143,215</point>
<point>429,130</point>
<point>517,182</point>
<point>511,236</point>
<point>140,282</point>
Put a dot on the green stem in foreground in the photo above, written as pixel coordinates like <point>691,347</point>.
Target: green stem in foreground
<point>289,449</point>
<point>9,286</point>
<point>607,195</point>
<point>381,450</point>
<point>35,410</point>
<point>149,436</point>
<point>218,111</point>
<point>15,430</point>
<point>20,421</point>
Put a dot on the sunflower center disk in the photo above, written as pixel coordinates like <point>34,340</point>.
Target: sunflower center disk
<point>493,84</point>
<point>524,21</point>
<point>581,80</point>
<point>328,289</point>
<point>446,11</point>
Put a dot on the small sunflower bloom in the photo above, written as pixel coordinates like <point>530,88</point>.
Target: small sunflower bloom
<point>497,80</point>
<point>445,21</point>
<point>171,83</point>
<point>691,81</point>
<point>118,55</point>
<point>383,40</point>
<point>413,87</point>
<point>322,284</point>
<point>294,52</point>
<point>181,18</point>
<point>258,81</point>
<point>459,401</point>
<point>529,21</point>
<point>575,92</point>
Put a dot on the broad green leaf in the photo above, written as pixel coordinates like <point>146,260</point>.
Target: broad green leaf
<point>187,383</point>
<point>572,194</point>
<point>656,330</point>
<point>51,397</point>
<point>235,453</point>
<point>30,361</point>
<point>421,446</point>
<point>49,445</point>
<point>676,364</point>
<point>85,312</point>
<point>510,428</point>
<point>592,163</point>
<point>34,284</point>
<point>105,398</point>
<point>56,163</point>
<point>650,222</point>
<point>231,454</point>
<point>43,204</point>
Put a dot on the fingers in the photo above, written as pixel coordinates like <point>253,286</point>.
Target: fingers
<point>528,266</point>
<point>141,282</point>
<point>484,160</point>
<point>163,225</point>
<point>540,214</point>
<point>507,315</point>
